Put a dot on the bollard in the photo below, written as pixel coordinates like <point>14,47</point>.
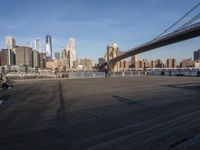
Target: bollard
<point>82,74</point>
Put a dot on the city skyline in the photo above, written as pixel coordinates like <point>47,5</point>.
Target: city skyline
<point>94,27</point>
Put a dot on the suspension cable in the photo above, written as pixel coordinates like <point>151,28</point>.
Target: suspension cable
<point>190,21</point>
<point>178,20</point>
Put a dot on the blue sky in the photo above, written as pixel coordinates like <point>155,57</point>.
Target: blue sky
<point>96,23</point>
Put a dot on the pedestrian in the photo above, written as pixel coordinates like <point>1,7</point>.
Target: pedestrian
<point>106,72</point>
<point>4,84</point>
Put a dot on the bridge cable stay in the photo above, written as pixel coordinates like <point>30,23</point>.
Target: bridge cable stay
<point>190,21</point>
<point>165,31</point>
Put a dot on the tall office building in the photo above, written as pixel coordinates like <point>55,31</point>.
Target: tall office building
<point>140,64</point>
<point>10,44</point>
<point>86,63</point>
<point>72,52</point>
<point>123,64</point>
<point>37,44</point>
<point>134,58</point>
<point>36,59</point>
<point>4,57</point>
<point>23,55</point>
<point>57,55</point>
<point>186,63</point>
<point>147,63</point>
<point>171,63</point>
<point>156,63</point>
<point>48,47</point>
<point>197,55</point>
<point>42,60</point>
<point>64,53</point>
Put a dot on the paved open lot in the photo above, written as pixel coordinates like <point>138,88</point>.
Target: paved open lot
<point>112,113</point>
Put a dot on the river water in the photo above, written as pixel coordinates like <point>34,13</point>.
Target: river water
<point>72,75</point>
<point>192,73</point>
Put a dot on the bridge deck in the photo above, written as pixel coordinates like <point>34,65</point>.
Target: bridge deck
<point>112,113</point>
<point>177,36</point>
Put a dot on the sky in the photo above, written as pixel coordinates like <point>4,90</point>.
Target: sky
<point>96,23</point>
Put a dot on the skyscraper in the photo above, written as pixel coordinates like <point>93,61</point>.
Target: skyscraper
<point>48,47</point>
<point>197,55</point>
<point>72,52</point>
<point>86,63</point>
<point>171,63</point>
<point>123,64</point>
<point>186,63</point>
<point>23,56</point>
<point>4,57</point>
<point>37,44</point>
<point>57,55</point>
<point>64,53</point>
<point>10,44</point>
<point>42,60</point>
<point>156,63</point>
<point>36,59</point>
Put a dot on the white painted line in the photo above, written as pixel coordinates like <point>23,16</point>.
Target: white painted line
<point>1,102</point>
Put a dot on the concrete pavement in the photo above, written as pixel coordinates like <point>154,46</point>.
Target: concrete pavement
<point>108,113</point>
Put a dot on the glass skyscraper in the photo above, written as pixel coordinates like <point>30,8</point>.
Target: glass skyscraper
<point>48,47</point>
<point>37,44</point>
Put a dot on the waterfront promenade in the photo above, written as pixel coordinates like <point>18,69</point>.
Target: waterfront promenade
<point>141,112</point>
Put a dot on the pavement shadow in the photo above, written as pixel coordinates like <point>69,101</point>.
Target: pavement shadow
<point>124,100</point>
<point>189,86</point>
<point>61,129</point>
<point>61,110</point>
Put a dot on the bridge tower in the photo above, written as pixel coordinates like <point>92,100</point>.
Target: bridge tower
<point>112,52</point>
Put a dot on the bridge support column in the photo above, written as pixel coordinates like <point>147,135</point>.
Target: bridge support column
<point>111,67</point>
